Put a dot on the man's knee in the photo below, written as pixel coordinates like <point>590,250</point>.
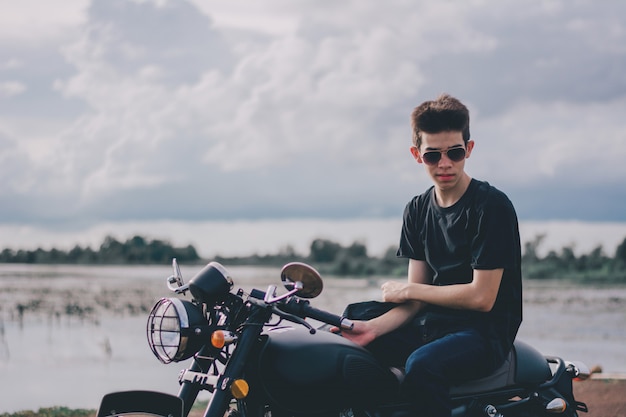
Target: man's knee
<point>422,367</point>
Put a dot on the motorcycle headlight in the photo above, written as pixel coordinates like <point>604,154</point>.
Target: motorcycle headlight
<point>211,284</point>
<point>176,329</point>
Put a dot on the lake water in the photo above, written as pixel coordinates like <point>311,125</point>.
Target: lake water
<point>70,334</point>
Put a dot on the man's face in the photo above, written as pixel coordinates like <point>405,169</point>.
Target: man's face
<point>443,154</point>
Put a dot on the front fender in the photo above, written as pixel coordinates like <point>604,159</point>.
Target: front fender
<point>140,402</point>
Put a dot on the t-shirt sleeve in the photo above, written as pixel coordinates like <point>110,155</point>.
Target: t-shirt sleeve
<point>494,245</point>
<point>411,246</point>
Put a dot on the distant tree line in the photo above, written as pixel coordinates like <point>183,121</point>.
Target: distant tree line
<point>136,250</point>
<point>594,266</point>
<point>330,257</point>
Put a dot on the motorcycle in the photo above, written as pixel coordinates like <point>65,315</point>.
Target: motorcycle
<point>254,365</point>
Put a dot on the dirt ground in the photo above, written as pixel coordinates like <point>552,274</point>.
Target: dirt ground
<point>604,397</point>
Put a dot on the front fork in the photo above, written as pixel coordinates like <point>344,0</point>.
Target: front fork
<point>189,390</point>
<point>222,396</point>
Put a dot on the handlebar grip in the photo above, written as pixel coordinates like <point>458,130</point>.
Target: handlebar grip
<point>329,318</point>
<point>302,308</point>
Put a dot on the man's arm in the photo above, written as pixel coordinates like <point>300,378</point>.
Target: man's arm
<point>418,273</point>
<point>479,295</point>
<point>364,332</point>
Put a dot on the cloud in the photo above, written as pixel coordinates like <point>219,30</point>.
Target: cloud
<point>32,21</point>
<point>11,88</point>
<point>214,110</point>
<point>569,141</point>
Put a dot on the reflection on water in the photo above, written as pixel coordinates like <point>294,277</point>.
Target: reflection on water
<point>70,334</point>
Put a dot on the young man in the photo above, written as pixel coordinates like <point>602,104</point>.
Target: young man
<point>464,279</point>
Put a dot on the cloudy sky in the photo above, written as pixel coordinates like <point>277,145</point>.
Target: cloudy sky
<point>122,111</point>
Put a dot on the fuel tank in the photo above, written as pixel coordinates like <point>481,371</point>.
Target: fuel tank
<point>311,373</point>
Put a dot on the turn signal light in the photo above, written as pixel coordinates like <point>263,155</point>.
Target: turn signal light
<point>217,339</point>
<point>221,338</point>
<point>239,389</point>
<point>557,405</point>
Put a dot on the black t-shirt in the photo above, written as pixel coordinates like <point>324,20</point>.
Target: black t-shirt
<point>480,231</point>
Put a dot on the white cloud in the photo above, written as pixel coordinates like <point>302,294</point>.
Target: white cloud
<point>579,143</point>
<point>11,88</point>
<point>280,103</point>
<point>270,17</point>
<point>33,21</point>
<point>11,63</point>
<point>269,100</point>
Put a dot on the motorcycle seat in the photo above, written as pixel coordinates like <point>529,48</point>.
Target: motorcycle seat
<point>523,366</point>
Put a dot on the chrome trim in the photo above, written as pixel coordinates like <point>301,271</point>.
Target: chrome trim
<point>223,271</point>
<point>182,312</point>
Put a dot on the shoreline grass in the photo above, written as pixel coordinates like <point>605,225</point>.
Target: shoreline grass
<point>52,412</point>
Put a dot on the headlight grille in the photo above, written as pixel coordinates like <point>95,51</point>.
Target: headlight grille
<point>165,322</point>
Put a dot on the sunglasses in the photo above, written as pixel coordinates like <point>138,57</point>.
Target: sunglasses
<point>433,157</point>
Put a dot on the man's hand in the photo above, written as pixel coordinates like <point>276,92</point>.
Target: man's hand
<point>361,333</point>
<point>395,292</point>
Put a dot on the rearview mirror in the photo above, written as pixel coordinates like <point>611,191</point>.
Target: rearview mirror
<point>309,278</point>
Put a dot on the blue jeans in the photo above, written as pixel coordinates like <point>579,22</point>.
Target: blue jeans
<point>432,368</point>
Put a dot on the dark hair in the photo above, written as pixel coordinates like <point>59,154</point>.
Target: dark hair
<point>444,114</point>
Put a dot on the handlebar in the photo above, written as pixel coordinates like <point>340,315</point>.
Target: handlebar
<point>303,309</point>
